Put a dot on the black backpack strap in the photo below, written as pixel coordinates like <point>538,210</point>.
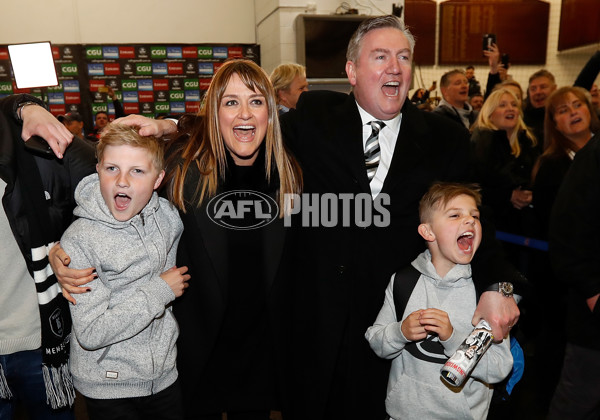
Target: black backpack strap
<point>404,283</point>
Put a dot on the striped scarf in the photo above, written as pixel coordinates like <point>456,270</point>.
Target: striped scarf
<point>54,310</point>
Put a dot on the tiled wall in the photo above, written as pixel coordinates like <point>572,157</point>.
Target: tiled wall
<point>564,65</point>
<point>275,34</point>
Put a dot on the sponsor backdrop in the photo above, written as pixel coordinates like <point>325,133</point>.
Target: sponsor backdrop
<point>148,79</point>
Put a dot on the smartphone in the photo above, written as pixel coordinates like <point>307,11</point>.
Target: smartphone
<point>505,60</point>
<point>39,145</point>
<point>488,40</point>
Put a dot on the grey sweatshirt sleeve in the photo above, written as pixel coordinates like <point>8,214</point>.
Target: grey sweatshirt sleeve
<point>385,335</point>
<point>496,363</point>
<point>98,324</point>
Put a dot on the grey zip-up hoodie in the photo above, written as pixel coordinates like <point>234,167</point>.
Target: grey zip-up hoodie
<point>415,388</point>
<point>123,331</point>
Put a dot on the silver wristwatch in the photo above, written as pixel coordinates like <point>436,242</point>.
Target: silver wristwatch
<point>504,287</point>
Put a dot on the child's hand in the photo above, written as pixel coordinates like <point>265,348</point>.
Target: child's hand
<point>436,321</point>
<point>176,279</point>
<point>412,328</point>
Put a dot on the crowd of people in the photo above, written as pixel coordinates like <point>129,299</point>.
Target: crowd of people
<point>285,313</point>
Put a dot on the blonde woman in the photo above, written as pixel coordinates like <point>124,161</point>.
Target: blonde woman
<point>504,155</point>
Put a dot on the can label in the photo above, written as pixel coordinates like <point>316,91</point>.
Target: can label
<point>458,367</point>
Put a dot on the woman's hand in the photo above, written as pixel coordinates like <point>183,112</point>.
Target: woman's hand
<point>38,121</point>
<point>70,279</point>
<point>148,126</point>
<point>521,198</point>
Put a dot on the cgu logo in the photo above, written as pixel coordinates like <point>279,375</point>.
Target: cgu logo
<point>242,209</point>
<point>204,51</point>
<point>129,85</point>
<point>98,108</point>
<point>158,52</point>
<point>69,69</point>
<point>190,84</point>
<point>96,52</point>
<point>5,87</point>
<point>176,95</point>
<point>144,68</point>
<point>162,107</point>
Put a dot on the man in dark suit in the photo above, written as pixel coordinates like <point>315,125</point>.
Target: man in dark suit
<point>342,271</point>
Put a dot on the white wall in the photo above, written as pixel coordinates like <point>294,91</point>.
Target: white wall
<point>275,23</point>
<point>127,21</point>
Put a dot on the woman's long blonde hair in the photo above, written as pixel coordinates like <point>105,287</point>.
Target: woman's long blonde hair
<point>206,149</point>
<point>489,106</point>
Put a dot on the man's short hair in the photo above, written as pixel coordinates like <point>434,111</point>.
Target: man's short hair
<point>445,80</point>
<point>284,74</point>
<point>542,73</point>
<point>123,135</point>
<point>101,112</point>
<point>441,193</point>
<point>469,68</point>
<point>70,116</point>
<point>370,24</point>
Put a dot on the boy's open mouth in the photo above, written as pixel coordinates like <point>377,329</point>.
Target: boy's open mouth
<point>465,241</point>
<point>122,201</point>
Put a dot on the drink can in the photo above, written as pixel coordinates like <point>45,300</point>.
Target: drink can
<point>458,367</point>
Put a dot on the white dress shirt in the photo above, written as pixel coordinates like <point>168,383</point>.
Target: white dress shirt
<point>387,142</point>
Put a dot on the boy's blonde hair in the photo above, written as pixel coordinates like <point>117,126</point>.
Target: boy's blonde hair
<point>123,135</point>
<point>440,193</point>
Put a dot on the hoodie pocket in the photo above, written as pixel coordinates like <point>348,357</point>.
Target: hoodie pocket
<point>412,399</point>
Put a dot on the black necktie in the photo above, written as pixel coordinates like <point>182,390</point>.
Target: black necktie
<point>372,150</point>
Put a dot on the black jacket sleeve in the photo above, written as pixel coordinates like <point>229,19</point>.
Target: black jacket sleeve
<point>575,225</point>
<point>589,72</point>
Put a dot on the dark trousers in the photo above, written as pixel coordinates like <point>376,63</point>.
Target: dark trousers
<point>23,372</point>
<point>577,396</point>
<point>164,405</point>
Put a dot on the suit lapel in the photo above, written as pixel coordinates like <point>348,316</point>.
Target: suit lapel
<point>349,140</point>
<point>411,146</point>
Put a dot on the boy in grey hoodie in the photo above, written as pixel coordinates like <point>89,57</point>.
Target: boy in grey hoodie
<point>437,317</point>
<point>124,332</point>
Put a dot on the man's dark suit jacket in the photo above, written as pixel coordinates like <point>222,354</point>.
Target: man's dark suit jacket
<point>342,272</point>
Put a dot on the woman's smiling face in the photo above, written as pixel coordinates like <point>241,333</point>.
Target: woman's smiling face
<point>243,120</point>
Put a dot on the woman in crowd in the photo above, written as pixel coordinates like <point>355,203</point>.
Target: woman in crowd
<point>570,123</point>
<point>504,155</point>
<point>227,347</point>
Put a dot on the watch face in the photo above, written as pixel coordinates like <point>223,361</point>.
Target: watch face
<point>506,288</point>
